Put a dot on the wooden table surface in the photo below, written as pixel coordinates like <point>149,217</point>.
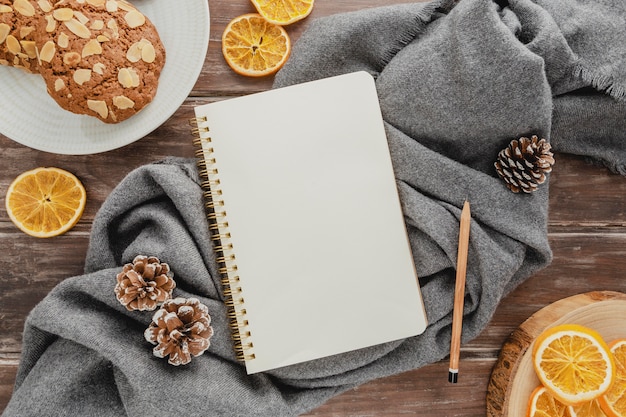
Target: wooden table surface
<point>587,231</point>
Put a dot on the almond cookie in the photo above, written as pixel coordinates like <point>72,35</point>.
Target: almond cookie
<point>101,58</point>
<point>18,23</point>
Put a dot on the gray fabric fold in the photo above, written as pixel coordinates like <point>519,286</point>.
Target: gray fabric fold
<point>456,83</point>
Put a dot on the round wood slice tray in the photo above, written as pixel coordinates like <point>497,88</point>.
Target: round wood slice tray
<point>513,377</point>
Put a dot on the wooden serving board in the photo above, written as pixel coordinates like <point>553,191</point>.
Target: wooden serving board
<point>513,378</point>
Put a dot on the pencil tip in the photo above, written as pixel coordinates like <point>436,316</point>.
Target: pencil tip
<point>453,377</point>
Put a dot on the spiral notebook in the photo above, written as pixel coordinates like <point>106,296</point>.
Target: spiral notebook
<point>304,211</point>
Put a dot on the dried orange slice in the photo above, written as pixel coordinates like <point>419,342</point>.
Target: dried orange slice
<point>45,202</point>
<point>543,404</point>
<point>254,47</point>
<point>613,402</point>
<point>588,409</point>
<point>283,12</point>
<point>574,363</point>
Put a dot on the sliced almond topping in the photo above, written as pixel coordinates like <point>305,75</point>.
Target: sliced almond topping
<point>24,8</point>
<point>92,47</point>
<point>5,9</point>
<point>135,77</point>
<point>45,5</point>
<point>134,52</point>
<point>142,50</point>
<point>4,32</point>
<point>97,24</point>
<point>111,6</point>
<point>63,14</point>
<point>47,51</point>
<point>102,38</point>
<point>71,59</point>
<point>4,62</point>
<point>29,48</point>
<point>81,17</point>
<point>148,54</point>
<point>99,107</point>
<point>99,68</point>
<point>24,68</point>
<point>123,76</point>
<point>81,76</point>
<point>13,45</point>
<point>97,3</point>
<point>64,40</point>
<point>123,102</point>
<point>78,29</point>
<point>128,77</point>
<point>112,24</point>
<point>59,84</point>
<point>51,24</point>
<point>25,31</point>
<point>135,18</point>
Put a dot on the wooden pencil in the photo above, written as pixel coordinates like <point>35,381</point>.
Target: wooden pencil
<point>459,294</point>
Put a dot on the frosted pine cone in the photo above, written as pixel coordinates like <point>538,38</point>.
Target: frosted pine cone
<point>144,284</point>
<point>523,164</point>
<point>180,329</point>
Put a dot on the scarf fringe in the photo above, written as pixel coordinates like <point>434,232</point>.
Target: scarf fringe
<point>422,19</point>
<point>601,82</point>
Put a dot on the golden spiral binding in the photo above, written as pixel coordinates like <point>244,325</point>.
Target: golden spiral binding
<point>224,259</point>
<point>223,248</point>
<point>214,216</point>
<point>228,269</point>
<point>217,226</point>
<point>220,236</point>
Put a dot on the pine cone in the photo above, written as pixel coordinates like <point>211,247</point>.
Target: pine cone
<point>523,165</point>
<point>144,284</point>
<point>180,329</point>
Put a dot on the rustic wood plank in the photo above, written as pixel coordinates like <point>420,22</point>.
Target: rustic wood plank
<point>32,268</point>
<point>424,392</point>
<point>585,194</point>
<point>8,370</point>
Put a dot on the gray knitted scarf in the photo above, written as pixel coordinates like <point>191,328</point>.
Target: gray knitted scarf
<point>457,82</point>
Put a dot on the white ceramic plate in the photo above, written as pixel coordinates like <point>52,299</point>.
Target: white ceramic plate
<point>28,115</point>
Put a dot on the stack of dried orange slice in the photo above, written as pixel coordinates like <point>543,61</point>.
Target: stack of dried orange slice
<point>257,44</point>
<point>613,402</point>
<point>581,375</point>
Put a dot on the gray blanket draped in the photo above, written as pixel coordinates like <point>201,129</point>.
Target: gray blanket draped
<point>457,82</point>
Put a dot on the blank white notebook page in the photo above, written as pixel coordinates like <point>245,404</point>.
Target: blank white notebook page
<point>312,208</point>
